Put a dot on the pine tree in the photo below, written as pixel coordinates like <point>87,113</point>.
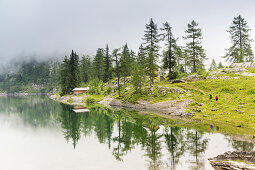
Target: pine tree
<point>151,38</point>
<point>195,52</point>
<point>241,42</point>
<point>64,76</point>
<point>125,62</point>
<point>69,73</point>
<point>141,56</point>
<point>98,64</point>
<point>86,69</point>
<point>169,56</point>
<point>107,64</point>
<point>220,65</point>
<point>74,79</point>
<point>179,58</point>
<point>138,78</point>
<point>116,58</point>
<point>213,65</point>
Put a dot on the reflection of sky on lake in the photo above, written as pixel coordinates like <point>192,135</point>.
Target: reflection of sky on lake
<point>26,142</point>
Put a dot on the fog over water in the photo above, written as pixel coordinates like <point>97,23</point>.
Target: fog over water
<point>52,28</point>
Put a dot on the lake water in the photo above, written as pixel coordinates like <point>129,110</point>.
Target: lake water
<point>37,133</point>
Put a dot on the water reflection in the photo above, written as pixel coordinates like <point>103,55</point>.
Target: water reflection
<point>176,145</point>
<point>134,130</point>
<point>121,131</point>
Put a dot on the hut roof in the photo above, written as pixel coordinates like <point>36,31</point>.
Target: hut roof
<point>81,89</point>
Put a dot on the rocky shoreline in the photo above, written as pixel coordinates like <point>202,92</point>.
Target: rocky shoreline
<point>169,108</point>
<point>237,160</point>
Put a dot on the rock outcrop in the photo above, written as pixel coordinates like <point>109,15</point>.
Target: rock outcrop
<point>171,107</point>
<point>237,160</point>
<point>243,65</point>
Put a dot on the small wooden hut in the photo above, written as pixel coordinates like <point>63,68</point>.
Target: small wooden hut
<point>80,90</point>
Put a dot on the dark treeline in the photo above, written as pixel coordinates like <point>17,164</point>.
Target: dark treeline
<point>159,52</point>
<point>30,76</point>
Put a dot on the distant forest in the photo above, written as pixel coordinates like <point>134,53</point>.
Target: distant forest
<point>170,60</point>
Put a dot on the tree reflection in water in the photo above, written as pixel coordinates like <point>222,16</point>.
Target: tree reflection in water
<point>240,144</point>
<point>121,130</point>
<point>176,145</point>
<point>197,145</point>
<point>133,130</point>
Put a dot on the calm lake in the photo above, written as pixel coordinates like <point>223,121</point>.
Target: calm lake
<point>37,133</point>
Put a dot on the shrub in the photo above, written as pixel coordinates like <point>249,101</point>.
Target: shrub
<point>70,101</point>
<point>203,74</point>
<point>134,98</point>
<point>172,75</point>
<point>108,91</point>
<point>90,100</point>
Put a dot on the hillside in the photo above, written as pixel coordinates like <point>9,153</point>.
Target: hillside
<point>234,86</point>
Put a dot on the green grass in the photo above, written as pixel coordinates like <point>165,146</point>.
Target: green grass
<point>236,101</point>
<point>236,105</point>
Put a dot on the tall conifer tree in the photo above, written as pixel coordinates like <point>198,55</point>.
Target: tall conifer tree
<point>98,64</point>
<point>169,56</point>
<point>64,76</point>
<point>141,56</point>
<point>74,78</point>
<point>151,39</point>
<point>116,58</point>
<point>195,51</point>
<point>125,62</point>
<point>86,69</point>
<point>107,64</point>
<point>241,42</point>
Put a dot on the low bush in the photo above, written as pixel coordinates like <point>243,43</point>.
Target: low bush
<point>90,100</point>
<point>173,75</point>
<point>108,91</point>
<point>134,98</point>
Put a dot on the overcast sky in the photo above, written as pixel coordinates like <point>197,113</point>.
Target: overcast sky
<point>49,28</point>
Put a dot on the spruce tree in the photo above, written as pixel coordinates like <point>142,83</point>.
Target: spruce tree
<point>125,62</point>
<point>195,51</point>
<point>220,65</point>
<point>213,65</point>
<point>98,64</point>
<point>141,56</point>
<point>86,69</point>
<point>74,79</point>
<point>151,39</point>
<point>64,76</point>
<point>138,78</point>
<point>241,42</point>
<point>169,56</point>
<point>116,58</point>
<point>69,73</point>
<point>107,64</point>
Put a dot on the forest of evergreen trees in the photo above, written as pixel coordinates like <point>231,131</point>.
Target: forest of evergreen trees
<point>171,59</point>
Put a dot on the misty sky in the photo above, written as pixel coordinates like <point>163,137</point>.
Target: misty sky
<point>52,28</point>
